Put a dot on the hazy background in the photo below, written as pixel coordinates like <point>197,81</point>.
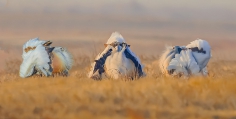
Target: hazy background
<point>83,26</point>
<point>147,25</point>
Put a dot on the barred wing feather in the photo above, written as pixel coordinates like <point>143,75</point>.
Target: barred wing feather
<point>93,70</point>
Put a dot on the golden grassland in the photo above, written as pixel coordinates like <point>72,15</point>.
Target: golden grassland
<point>155,96</point>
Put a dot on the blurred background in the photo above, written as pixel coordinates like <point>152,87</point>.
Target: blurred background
<point>148,26</point>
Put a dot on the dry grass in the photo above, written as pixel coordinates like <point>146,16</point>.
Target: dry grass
<point>151,97</point>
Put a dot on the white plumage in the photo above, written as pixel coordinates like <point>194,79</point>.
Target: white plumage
<point>187,61</point>
<point>35,57</point>
<point>40,58</point>
<point>184,63</point>
<point>116,61</point>
<point>118,66</point>
<point>201,58</point>
<point>115,37</point>
<point>30,45</point>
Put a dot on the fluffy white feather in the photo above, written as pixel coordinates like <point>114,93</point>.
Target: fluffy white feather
<point>115,37</point>
<point>165,59</point>
<point>36,59</point>
<point>184,64</point>
<point>189,60</point>
<point>167,56</point>
<point>201,44</point>
<point>201,58</point>
<point>118,66</point>
<point>31,44</point>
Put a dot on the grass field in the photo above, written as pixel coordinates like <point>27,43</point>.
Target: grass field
<point>154,96</point>
<point>84,33</point>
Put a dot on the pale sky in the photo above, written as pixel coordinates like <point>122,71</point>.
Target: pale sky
<point>179,9</point>
<point>97,5</point>
<point>45,14</point>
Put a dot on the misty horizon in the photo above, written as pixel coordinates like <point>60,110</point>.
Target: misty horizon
<point>79,25</point>
<point>179,10</point>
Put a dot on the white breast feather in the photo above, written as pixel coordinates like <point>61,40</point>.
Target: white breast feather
<point>118,66</point>
<point>37,58</point>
